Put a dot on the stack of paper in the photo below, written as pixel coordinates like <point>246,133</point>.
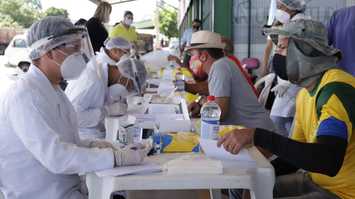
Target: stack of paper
<point>130,170</point>
<point>211,150</point>
<point>193,164</point>
<point>163,109</point>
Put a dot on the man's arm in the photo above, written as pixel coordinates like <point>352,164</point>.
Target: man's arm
<point>220,86</point>
<point>267,52</point>
<point>198,87</point>
<point>223,103</point>
<point>326,156</point>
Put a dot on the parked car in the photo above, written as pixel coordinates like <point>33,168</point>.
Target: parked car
<point>17,53</point>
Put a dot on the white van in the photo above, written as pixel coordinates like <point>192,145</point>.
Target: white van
<point>17,53</point>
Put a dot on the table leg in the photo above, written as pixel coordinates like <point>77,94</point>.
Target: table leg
<point>215,194</point>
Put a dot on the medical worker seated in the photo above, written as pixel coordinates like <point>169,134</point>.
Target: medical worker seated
<point>103,87</point>
<point>41,154</point>
<point>97,91</point>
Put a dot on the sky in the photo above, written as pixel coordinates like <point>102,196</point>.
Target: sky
<point>142,9</point>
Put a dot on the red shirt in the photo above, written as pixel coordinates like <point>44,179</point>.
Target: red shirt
<point>245,74</point>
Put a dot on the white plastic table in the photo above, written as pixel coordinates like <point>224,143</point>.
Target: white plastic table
<point>259,179</point>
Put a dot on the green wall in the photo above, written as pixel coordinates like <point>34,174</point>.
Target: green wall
<point>223,17</point>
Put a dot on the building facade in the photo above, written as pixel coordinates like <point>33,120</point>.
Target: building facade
<point>243,20</point>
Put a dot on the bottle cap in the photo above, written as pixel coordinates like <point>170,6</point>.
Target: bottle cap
<point>210,98</point>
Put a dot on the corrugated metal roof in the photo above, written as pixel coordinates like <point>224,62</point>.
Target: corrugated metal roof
<point>112,2</point>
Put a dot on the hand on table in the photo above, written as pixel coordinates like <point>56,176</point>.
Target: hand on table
<point>132,154</point>
<point>101,144</point>
<point>117,108</point>
<point>194,109</point>
<point>237,140</point>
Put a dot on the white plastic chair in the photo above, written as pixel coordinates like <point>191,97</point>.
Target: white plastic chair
<point>267,81</point>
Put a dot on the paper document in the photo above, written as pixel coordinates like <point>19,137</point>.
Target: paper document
<point>193,164</point>
<point>211,150</point>
<point>130,170</point>
<point>163,109</point>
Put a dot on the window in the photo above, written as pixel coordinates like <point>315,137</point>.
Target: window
<point>20,43</point>
<point>207,15</point>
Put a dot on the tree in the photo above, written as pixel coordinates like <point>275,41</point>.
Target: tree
<point>35,3</point>
<point>52,11</point>
<point>18,13</point>
<point>168,22</point>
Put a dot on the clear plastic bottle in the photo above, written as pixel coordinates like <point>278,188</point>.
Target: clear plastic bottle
<point>180,81</point>
<point>210,116</point>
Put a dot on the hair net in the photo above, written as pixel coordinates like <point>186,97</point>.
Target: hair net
<point>117,42</point>
<point>52,32</point>
<point>298,5</point>
<point>135,70</point>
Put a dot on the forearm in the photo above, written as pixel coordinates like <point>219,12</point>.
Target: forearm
<point>90,117</point>
<point>198,87</point>
<point>266,58</point>
<point>283,167</point>
<point>326,156</point>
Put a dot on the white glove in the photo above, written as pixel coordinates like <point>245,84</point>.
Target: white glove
<point>116,109</point>
<point>281,88</point>
<point>133,154</point>
<point>101,144</point>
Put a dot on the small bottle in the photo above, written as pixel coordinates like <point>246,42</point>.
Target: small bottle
<point>210,116</point>
<point>171,64</point>
<point>157,142</point>
<point>123,136</point>
<point>180,81</point>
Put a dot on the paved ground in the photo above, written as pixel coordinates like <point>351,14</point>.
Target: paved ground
<point>7,74</point>
<point>5,70</point>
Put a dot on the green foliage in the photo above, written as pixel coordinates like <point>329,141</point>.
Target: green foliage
<point>23,13</point>
<point>18,12</point>
<point>52,11</point>
<point>168,22</point>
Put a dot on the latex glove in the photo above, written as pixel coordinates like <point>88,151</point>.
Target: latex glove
<point>115,109</point>
<point>101,144</point>
<point>130,155</point>
<point>281,88</point>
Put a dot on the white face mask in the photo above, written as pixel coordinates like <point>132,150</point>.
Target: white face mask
<point>117,93</point>
<point>282,16</point>
<point>128,21</point>
<point>72,66</point>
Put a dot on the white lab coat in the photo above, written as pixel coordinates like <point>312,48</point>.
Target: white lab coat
<point>285,106</point>
<point>88,94</point>
<point>40,151</point>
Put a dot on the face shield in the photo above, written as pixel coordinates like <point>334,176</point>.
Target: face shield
<point>75,40</point>
<point>74,44</point>
<point>134,70</point>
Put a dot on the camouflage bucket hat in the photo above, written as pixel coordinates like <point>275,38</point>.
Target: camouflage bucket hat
<point>310,32</point>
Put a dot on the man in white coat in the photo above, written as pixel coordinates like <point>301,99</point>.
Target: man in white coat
<point>40,151</point>
<point>100,89</point>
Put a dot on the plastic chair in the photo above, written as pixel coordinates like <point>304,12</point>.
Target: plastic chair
<point>251,64</point>
<point>267,81</point>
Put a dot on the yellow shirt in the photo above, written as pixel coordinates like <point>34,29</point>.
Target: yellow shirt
<point>120,30</point>
<point>337,101</point>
